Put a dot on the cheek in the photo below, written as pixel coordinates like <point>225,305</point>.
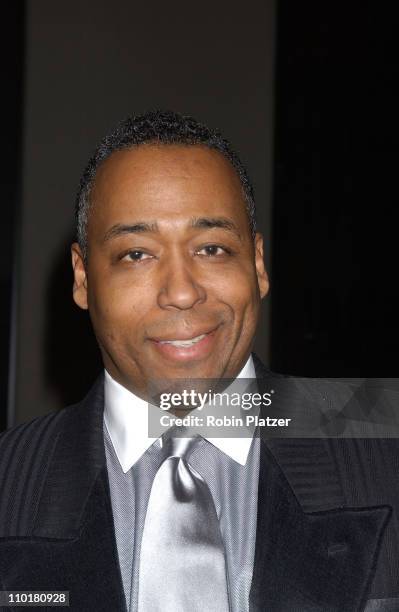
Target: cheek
<point>118,310</point>
<point>240,293</point>
<point>245,307</point>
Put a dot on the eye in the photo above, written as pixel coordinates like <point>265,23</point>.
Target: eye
<point>136,256</point>
<point>213,250</point>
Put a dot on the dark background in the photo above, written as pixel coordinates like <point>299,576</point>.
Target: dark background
<point>305,91</point>
<point>12,44</point>
<point>335,200</point>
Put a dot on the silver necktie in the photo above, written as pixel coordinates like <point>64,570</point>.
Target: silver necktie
<point>182,563</point>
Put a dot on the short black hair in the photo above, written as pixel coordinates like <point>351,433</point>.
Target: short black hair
<point>157,127</point>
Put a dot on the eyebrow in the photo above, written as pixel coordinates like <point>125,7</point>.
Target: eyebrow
<point>215,222</point>
<point>141,227</point>
<point>136,228</point>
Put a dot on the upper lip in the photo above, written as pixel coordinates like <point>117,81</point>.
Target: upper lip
<point>184,336</point>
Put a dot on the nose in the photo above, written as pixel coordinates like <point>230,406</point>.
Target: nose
<point>180,289</point>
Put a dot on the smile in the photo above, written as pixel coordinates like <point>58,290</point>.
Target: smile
<point>185,350</point>
<point>184,343</point>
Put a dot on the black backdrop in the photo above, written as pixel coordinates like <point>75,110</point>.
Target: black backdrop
<point>12,54</point>
<point>335,204</point>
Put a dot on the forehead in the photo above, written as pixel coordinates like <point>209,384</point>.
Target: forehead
<point>165,181</point>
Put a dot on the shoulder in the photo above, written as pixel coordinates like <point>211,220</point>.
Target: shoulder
<point>337,408</point>
<point>25,456</point>
<point>40,458</point>
<point>27,442</point>
<point>33,441</point>
<point>352,422</point>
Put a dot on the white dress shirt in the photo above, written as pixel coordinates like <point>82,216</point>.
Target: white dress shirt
<point>230,467</point>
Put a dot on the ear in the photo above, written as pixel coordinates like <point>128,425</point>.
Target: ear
<point>263,279</point>
<point>80,277</point>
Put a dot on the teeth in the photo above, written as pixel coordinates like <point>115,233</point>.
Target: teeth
<point>184,343</point>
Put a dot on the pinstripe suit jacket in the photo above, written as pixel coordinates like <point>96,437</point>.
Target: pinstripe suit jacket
<point>327,526</point>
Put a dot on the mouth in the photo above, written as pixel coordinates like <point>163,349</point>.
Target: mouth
<point>185,349</point>
<point>184,343</point>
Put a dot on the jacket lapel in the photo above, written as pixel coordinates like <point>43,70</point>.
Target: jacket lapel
<point>311,562</point>
<point>72,544</point>
<point>78,459</point>
<point>312,554</point>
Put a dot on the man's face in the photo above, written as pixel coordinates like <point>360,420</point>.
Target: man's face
<point>173,279</point>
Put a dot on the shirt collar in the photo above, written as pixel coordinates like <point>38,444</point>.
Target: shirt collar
<point>126,419</point>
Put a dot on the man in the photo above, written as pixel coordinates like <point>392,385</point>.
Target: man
<point>170,266</point>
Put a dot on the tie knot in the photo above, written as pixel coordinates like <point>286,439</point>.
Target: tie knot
<point>175,445</point>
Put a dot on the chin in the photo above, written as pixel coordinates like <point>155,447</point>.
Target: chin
<point>192,370</point>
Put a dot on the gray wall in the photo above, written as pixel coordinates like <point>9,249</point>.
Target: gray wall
<point>89,64</point>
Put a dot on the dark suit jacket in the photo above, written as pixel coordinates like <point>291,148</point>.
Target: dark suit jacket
<point>327,526</point>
